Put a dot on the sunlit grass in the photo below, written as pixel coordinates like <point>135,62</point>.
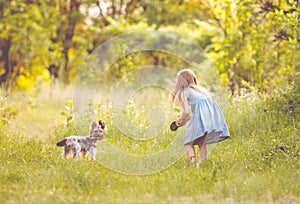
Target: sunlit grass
<point>259,164</point>
<point>38,114</point>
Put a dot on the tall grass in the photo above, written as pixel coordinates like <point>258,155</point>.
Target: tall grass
<point>259,164</point>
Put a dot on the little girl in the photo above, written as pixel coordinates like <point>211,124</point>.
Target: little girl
<point>207,124</point>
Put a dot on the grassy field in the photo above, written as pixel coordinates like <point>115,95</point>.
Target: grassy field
<point>259,164</point>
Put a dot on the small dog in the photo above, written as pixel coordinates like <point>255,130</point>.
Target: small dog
<point>84,144</point>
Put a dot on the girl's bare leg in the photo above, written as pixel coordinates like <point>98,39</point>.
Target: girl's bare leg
<point>191,153</point>
<point>202,148</point>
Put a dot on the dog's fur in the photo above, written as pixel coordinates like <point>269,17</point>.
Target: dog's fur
<point>84,144</point>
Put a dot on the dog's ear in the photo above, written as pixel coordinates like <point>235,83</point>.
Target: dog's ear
<point>93,126</point>
<point>102,124</point>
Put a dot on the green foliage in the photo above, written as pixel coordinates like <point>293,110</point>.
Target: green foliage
<point>285,103</point>
<point>67,128</point>
<point>7,112</point>
<point>254,41</point>
<point>248,40</point>
<point>137,117</point>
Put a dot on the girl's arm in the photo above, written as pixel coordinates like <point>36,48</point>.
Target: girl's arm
<point>185,115</point>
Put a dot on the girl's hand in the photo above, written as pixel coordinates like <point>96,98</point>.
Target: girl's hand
<point>178,122</point>
<point>182,121</point>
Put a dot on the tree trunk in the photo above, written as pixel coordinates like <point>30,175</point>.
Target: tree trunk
<point>5,45</point>
<point>69,33</point>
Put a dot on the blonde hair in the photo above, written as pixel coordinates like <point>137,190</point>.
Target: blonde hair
<point>184,79</point>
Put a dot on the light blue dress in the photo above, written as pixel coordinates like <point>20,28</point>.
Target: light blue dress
<point>207,117</point>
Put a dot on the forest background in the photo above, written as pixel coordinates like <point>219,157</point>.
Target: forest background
<point>255,46</point>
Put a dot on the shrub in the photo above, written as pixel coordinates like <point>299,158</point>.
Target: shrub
<point>7,112</point>
<point>285,104</point>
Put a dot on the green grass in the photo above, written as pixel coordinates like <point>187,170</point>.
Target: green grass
<point>259,164</point>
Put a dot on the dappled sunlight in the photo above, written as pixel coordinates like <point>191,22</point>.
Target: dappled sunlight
<point>65,65</point>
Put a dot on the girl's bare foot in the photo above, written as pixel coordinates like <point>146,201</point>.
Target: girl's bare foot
<point>192,159</point>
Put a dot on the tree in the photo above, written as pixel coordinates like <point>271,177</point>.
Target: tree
<point>258,42</point>
<point>21,35</point>
<point>250,41</point>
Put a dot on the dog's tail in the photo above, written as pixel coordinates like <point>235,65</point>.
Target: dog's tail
<point>61,143</point>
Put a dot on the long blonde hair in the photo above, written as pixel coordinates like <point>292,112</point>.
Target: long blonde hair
<point>184,79</point>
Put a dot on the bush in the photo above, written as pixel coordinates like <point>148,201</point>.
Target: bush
<point>7,111</point>
<point>285,104</point>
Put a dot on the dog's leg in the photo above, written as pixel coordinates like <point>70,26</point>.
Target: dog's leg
<point>75,154</point>
<point>76,150</point>
<point>84,153</point>
<point>93,152</point>
<point>66,151</point>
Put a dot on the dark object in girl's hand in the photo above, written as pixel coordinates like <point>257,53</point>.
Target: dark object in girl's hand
<point>173,126</point>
